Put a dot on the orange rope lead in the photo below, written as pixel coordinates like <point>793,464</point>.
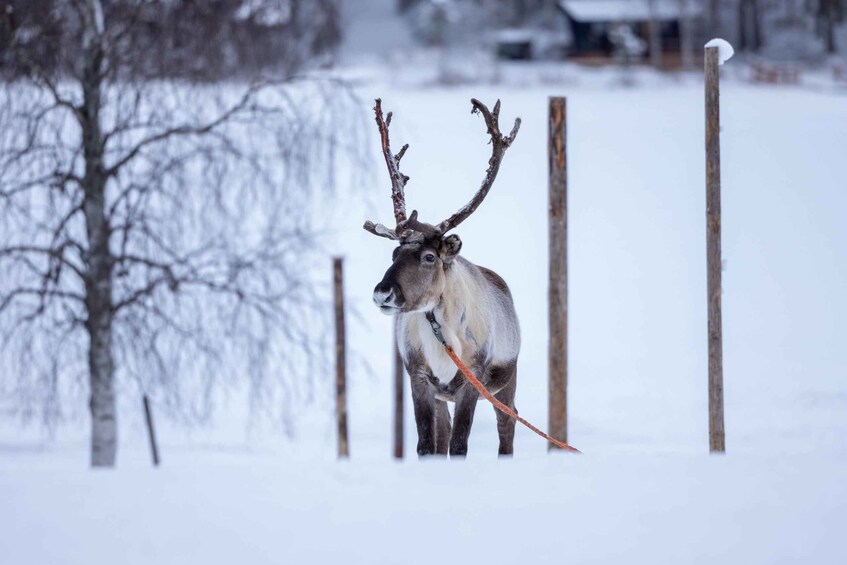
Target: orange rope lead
<point>499,405</point>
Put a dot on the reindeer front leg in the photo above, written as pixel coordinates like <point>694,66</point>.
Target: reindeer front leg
<point>431,417</point>
<point>465,398</point>
<point>423,402</point>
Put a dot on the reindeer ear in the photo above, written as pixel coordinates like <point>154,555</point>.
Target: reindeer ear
<point>450,247</point>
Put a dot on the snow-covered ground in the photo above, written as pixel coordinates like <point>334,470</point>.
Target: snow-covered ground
<point>645,490</point>
<point>562,509</point>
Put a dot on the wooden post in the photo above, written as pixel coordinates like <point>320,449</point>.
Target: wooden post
<point>558,284</point>
<point>151,432</point>
<point>717,442</point>
<point>340,360</point>
<point>398,398</point>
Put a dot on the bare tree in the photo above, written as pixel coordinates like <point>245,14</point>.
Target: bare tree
<point>194,40</point>
<point>713,18</point>
<point>749,25</point>
<point>686,42</point>
<point>655,36</point>
<point>828,15</point>
<point>156,232</point>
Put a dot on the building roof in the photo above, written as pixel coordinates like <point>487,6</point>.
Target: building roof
<point>627,10</point>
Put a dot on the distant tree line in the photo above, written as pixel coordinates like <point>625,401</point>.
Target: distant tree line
<point>794,27</point>
<point>202,41</point>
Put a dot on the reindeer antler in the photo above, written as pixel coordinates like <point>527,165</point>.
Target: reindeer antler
<point>398,179</point>
<point>410,229</point>
<point>499,144</point>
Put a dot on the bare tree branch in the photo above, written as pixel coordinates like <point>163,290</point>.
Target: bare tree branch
<point>187,129</point>
<point>160,232</point>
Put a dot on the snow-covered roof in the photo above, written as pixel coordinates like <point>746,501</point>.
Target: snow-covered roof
<point>626,10</point>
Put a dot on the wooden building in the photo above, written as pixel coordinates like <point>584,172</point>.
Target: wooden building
<point>590,23</point>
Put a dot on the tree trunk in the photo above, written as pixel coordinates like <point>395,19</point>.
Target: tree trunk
<point>686,43</point>
<point>655,34</point>
<point>98,299</point>
<point>99,260</point>
<point>404,5</point>
<point>714,18</point>
<point>741,43</point>
<point>749,26</point>
<point>757,25</point>
<point>827,17</point>
<point>829,35</point>
<point>104,435</point>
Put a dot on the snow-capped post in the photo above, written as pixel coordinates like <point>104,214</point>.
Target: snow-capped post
<point>340,359</point>
<point>151,431</point>
<point>398,397</point>
<point>717,51</point>
<point>558,283</point>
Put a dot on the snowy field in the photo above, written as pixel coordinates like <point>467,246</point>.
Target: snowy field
<point>562,509</point>
<point>645,490</point>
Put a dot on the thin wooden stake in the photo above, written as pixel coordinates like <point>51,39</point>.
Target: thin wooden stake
<point>558,283</point>
<point>340,359</point>
<point>398,398</point>
<point>151,432</point>
<point>717,440</point>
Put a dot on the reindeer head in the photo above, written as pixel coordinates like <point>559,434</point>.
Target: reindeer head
<point>417,276</point>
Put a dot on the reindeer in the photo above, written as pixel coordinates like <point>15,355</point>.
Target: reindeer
<point>440,298</point>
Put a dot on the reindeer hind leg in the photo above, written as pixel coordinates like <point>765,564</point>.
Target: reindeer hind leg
<point>506,424</point>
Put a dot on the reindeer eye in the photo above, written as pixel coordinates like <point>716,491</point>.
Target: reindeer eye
<point>429,258</point>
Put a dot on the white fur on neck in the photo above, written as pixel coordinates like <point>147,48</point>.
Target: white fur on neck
<point>474,319</point>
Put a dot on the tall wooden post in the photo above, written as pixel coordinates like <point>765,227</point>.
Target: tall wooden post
<point>717,442</point>
<point>558,284</point>
<point>398,398</point>
<point>151,432</point>
<point>340,360</point>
